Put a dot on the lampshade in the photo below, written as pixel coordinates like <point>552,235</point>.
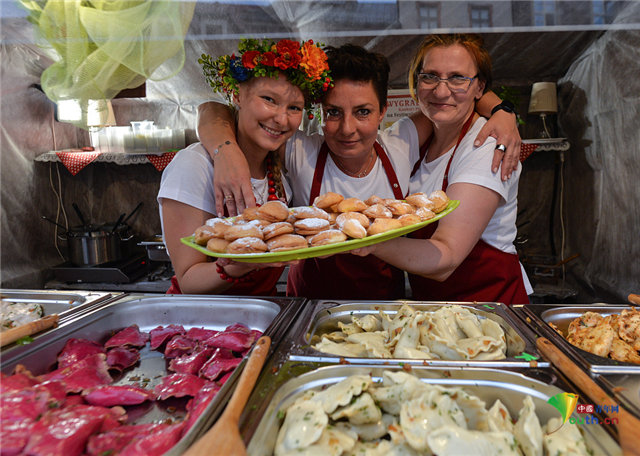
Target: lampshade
<point>543,98</point>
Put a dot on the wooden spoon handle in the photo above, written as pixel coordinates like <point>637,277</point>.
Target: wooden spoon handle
<point>13,334</point>
<point>634,299</point>
<point>247,379</point>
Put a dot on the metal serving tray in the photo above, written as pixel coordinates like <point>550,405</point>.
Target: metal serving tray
<point>260,422</point>
<point>625,388</point>
<point>67,304</point>
<point>149,311</point>
<point>539,315</point>
<point>321,317</point>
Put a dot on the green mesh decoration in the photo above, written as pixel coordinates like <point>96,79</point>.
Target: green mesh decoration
<point>105,46</point>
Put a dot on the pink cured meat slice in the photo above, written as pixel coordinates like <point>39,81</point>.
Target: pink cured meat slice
<point>65,432</point>
<point>161,334</point>
<point>77,349</point>
<point>200,334</point>
<point>199,403</point>
<point>191,364</point>
<point>179,346</point>
<point>113,441</point>
<point>179,385</point>
<point>14,436</point>
<point>238,327</point>
<point>222,380</point>
<point>130,336</point>
<point>237,341</point>
<point>110,395</point>
<point>87,373</point>
<point>155,444</point>
<point>120,358</point>
<point>16,382</point>
<point>222,361</point>
<point>26,404</point>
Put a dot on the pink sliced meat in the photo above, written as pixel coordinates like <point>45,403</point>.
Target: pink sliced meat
<point>179,346</point>
<point>16,382</point>
<point>14,436</point>
<point>191,364</point>
<point>77,349</point>
<point>57,390</point>
<point>222,380</point>
<point>110,395</point>
<point>238,327</point>
<point>222,361</point>
<point>155,444</point>
<point>200,334</point>
<point>179,385</point>
<point>86,373</point>
<point>112,442</point>
<point>237,341</point>
<point>65,432</point>
<point>199,403</point>
<point>121,358</point>
<point>161,334</point>
<point>26,404</point>
<point>130,336</point>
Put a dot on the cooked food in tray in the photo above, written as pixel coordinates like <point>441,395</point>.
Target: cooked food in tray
<point>404,415</point>
<point>273,227</point>
<point>14,314</point>
<point>78,408</point>
<point>449,333</point>
<point>615,336</point>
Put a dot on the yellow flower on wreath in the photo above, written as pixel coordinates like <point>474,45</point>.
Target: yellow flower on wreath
<point>314,60</point>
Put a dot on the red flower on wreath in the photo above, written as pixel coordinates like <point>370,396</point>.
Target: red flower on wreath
<point>314,61</point>
<point>288,54</point>
<point>250,59</point>
<point>268,59</point>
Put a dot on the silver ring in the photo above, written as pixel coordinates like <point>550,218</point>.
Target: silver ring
<point>501,147</point>
<point>228,197</point>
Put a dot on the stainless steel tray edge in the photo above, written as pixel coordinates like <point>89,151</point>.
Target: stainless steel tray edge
<point>300,350</point>
<point>277,388</point>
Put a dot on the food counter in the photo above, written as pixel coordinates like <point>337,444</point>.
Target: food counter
<point>298,368</point>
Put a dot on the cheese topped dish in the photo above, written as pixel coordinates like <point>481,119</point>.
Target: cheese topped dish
<point>405,416</point>
<point>14,314</point>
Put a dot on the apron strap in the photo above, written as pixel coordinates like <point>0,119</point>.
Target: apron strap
<point>318,173</point>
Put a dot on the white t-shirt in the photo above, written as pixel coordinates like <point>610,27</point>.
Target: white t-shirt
<point>189,180</point>
<point>400,141</point>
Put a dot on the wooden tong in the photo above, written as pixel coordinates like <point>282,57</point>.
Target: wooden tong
<point>11,335</point>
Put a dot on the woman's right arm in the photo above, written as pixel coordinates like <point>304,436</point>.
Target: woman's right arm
<point>195,274</point>
<point>232,181</point>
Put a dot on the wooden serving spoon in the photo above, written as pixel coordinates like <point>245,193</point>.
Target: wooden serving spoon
<point>628,425</point>
<point>634,299</point>
<point>224,437</point>
<point>13,334</point>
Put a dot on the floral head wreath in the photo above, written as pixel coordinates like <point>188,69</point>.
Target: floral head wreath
<point>304,64</point>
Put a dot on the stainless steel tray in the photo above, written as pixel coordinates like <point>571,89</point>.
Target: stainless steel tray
<point>67,304</point>
<point>539,315</point>
<point>260,422</point>
<point>625,388</point>
<point>148,311</point>
<point>321,317</point>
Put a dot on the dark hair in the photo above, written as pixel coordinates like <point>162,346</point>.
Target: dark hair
<point>471,42</point>
<point>355,63</point>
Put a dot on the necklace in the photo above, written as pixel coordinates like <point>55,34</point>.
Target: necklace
<point>268,184</point>
<point>363,172</point>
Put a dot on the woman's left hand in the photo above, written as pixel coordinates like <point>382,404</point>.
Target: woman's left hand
<point>504,127</point>
<point>364,251</point>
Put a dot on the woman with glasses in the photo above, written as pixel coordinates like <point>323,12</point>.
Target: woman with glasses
<point>468,255</point>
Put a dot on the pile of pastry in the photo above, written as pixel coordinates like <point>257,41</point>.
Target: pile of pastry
<point>274,227</point>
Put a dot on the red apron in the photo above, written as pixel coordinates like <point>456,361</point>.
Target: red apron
<point>346,276</point>
<point>263,281</point>
<point>487,274</point>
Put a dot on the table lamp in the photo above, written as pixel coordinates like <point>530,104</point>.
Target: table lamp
<point>543,101</point>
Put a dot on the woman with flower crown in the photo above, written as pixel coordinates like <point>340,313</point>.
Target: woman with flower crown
<point>270,85</point>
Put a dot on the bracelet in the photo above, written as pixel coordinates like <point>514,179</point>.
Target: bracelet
<point>232,280</point>
<point>506,106</point>
<point>216,151</point>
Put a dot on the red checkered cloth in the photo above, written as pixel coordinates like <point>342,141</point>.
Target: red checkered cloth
<point>526,150</point>
<point>74,160</point>
<point>161,161</point>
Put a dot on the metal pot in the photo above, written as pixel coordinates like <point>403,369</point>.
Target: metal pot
<point>91,246</point>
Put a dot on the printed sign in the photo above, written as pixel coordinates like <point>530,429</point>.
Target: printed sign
<point>399,105</point>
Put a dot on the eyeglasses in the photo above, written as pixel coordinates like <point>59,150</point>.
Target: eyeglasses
<point>456,84</point>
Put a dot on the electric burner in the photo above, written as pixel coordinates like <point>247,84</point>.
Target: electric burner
<point>121,271</point>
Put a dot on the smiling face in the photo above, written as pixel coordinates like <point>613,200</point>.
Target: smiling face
<point>352,116</point>
<point>440,104</point>
<point>269,112</point>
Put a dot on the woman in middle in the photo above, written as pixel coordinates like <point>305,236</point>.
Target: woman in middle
<point>352,158</point>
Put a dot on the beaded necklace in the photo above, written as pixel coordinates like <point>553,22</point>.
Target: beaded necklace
<point>271,183</point>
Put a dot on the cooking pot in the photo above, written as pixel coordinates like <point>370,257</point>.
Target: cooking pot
<point>89,245</point>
